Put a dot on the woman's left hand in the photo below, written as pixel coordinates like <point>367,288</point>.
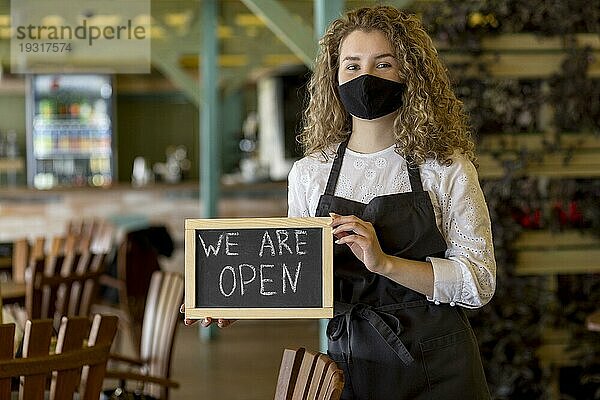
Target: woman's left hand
<point>361,238</point>
<point>221,322</point>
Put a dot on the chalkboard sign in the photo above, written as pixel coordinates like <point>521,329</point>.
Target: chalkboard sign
<point>258,268</point>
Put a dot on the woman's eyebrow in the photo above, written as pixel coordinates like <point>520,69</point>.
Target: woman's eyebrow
<point>384,55</point>
<point>377,57</point>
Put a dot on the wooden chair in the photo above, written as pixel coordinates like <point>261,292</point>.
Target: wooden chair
<point>80,237</point>
<point>23,254</point>
<point>85,230</point>
<point>62,281</point>
<point>304,375</point>
<point>136,261</point>
<point>158,331</point>
<point>65,284</point>
<point>77,365</point>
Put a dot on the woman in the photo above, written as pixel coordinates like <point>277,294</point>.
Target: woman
<point>390,159</point>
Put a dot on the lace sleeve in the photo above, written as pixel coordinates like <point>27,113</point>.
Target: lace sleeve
<point>297,203</point>
<point>467,276</point>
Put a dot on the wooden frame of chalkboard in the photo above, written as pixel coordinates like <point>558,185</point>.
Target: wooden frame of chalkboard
<point>259,268</point>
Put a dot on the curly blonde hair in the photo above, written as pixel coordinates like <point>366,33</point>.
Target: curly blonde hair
<point>431,123</point>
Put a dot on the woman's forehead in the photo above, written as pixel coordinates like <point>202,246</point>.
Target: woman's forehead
<point>363,43</point>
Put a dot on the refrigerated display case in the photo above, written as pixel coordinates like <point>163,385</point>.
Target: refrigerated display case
<point>70,131</point>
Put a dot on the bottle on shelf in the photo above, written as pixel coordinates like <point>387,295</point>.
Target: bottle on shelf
<point>11,148</point>
<point>2,146</point>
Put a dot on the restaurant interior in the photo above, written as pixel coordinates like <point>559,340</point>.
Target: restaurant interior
<point>105,152</point>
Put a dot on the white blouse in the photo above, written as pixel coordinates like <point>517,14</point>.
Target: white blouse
<point>467,274</point>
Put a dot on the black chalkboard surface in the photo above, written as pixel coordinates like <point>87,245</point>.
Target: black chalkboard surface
<point>259,268</point>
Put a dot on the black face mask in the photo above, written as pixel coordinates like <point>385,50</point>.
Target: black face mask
<point>370,97</point>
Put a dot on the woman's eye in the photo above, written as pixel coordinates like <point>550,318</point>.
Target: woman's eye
<point>384,65</point>
<point>351,67</point>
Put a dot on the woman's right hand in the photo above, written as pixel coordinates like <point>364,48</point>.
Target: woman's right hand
<point>207,321</point>
<point>221,322</point>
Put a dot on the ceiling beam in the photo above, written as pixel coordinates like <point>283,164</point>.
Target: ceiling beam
<point>169,66</point>
<point>296,35</point>
<point>165,57</point>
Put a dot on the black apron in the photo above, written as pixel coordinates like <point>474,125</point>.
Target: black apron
<point>391,342</point>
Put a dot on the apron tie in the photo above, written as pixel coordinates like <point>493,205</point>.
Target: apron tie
<point>379,321</point>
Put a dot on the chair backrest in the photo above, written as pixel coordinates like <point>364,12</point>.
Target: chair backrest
<point>158,329</point>
<point>80,237</point>
<point>136,261</point>
<point>77,365</point>
<point>23,254</point>
<point>63,282</point>
<point>86,231</point>
<point>305,375</point>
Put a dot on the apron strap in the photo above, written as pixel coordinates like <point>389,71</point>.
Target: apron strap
<point>344,314</point>
<point>335,168</point>
<point>414,175</point>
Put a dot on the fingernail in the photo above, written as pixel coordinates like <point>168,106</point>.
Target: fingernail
<point>337,241</point>
<point>332,215</point>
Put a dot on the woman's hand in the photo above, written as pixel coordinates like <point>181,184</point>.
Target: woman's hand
<point>221,323</point>
<point>361,238</point>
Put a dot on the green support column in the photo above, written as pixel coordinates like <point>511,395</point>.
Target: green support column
<point>209,135</point>
<point>325,11</point>
<point>210,169</point>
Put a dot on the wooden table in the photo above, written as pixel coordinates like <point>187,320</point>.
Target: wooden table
<point>11,291</point>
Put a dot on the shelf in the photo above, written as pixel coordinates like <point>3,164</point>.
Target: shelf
<point>576,155</point>
<point>522,55</point>
<point>11,165</point>
<point>555,349</point>
<point>73,155</point>
<point>537,141</point>
<point>578,164</point>
<point>558,262</point>
<point>563,253</point>
<point>529,42</point>
<point>556,240</point>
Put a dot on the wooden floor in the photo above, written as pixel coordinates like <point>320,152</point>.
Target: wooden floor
<point>241,362</point>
